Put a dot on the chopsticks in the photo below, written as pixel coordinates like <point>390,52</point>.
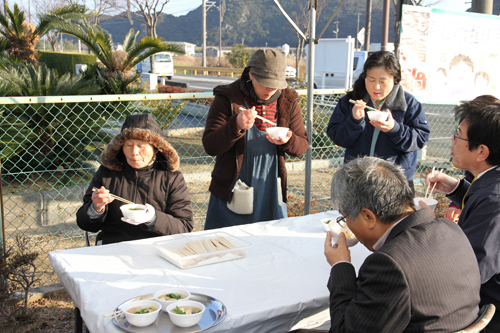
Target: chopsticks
<point>429,186</point>
<point>114,314</point>
<point>366,107</point>
<point>261,118</point>
<point>434,186</point>
<point>115,197</point>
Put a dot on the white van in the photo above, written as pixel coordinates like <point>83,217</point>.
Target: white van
<point>164,65</point>
<point>358,64</point>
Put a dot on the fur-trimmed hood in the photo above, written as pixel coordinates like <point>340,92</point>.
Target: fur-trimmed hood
<point>140,127</point>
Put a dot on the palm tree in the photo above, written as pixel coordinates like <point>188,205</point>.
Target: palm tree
<point>100,42</point>
<point>20,36</point>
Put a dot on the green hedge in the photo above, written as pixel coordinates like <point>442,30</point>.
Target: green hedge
<point>66,62</point>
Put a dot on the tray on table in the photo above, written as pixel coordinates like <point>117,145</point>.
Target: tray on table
<point>215,312</point>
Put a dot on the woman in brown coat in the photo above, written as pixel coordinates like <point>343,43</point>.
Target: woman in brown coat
<point>246,156</point>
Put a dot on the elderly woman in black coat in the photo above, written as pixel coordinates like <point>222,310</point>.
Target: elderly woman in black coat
<point>141,166</point>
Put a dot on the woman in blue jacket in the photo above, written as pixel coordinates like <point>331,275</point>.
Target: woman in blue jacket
<point>396,139</point>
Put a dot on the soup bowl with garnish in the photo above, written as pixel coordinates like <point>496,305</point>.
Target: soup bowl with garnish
<point>185,313</point>
<point>337,228</point>
<point>168,296</point>
<point>133,211</point>
<point>142,313</point>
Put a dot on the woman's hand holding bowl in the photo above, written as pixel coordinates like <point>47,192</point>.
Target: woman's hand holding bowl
<point>246,118</point>
<point>148,215</point>
<point>100,198</point>
<point>384,126</point>
<point>282,140</point>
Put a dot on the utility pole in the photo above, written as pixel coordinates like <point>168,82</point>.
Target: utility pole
<point>222,10</point>
<point>204,46</point>
<point>368,24</point>
<point>385,25</point>
<point>336,31</point>
<point>357,30</point>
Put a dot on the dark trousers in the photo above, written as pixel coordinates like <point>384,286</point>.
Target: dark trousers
<point>494,325</point>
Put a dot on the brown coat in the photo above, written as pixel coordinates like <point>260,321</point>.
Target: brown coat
<point>223,139</point>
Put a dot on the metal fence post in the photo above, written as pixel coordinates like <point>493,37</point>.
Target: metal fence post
<point>310,100</point>
<point>2,235</point>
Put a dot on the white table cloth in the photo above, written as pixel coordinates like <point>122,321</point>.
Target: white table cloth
<point>280,282</point>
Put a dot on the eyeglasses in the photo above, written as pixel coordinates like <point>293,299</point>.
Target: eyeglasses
<point>457,137</point>
<point>341,220</point>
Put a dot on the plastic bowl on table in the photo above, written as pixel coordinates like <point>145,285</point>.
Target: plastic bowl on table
<point>377,115</point>
<point>277,132</point>
<point>133,211</point>
<point>185,320</point>
<point>336,229</point>
<point>165,303</point>
<point>429,201</point>
<point>326,223</point>
<point>143,319</point>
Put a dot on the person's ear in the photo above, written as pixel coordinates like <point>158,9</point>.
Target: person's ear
<point>369,218</point>
<point>250,75</point>
<point>482,153</point>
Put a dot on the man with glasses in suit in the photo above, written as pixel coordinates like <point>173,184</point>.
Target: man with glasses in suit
<point>422,275</point>
<point>476,148</point>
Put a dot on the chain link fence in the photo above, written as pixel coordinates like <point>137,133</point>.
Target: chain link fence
<point>50,149</point>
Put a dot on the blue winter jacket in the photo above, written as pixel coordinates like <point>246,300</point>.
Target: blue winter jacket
<point>399,145</point>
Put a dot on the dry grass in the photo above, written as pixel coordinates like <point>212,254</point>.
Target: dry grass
<point>185,60</point>
<point>52,314</point>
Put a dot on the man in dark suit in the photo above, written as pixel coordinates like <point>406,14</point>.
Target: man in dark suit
<point>422,276</point>
<point>476,148</point>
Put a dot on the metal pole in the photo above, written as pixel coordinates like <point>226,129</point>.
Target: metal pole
<point>482,6</point>
<point>357,31</point>
<point>220,30</point>
<point>204,47</point>
<point>368,24</point>
<point>336,29</point>
<point>2,219</point>
<point>385,25</point>
<point>310,99</point>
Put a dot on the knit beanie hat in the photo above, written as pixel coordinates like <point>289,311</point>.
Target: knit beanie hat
<point>269,68</point>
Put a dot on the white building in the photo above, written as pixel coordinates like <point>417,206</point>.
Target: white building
<point>213,51</point>
<point>188,48</point>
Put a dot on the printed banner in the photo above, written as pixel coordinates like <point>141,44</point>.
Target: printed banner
<point>447,57</point>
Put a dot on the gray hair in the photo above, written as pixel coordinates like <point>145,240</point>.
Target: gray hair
<point>372,183</point>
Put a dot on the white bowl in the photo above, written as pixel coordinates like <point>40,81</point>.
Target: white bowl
<point>335,228</point>
<point>133,211</point>
<point>277,132</point>
<point>377,115</point>
<point>185,320</point>
<point>165,303</point>
<point>143,319</point>
<point>326,223</point>
<point>429,201</point>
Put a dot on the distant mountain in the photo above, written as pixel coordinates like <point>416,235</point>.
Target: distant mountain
<point>254,23</point>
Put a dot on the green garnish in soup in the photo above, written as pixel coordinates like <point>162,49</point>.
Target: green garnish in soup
<point>135,209</point>
<point>139,310</point>
<point>171,297</point>
<point>186,310</point>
